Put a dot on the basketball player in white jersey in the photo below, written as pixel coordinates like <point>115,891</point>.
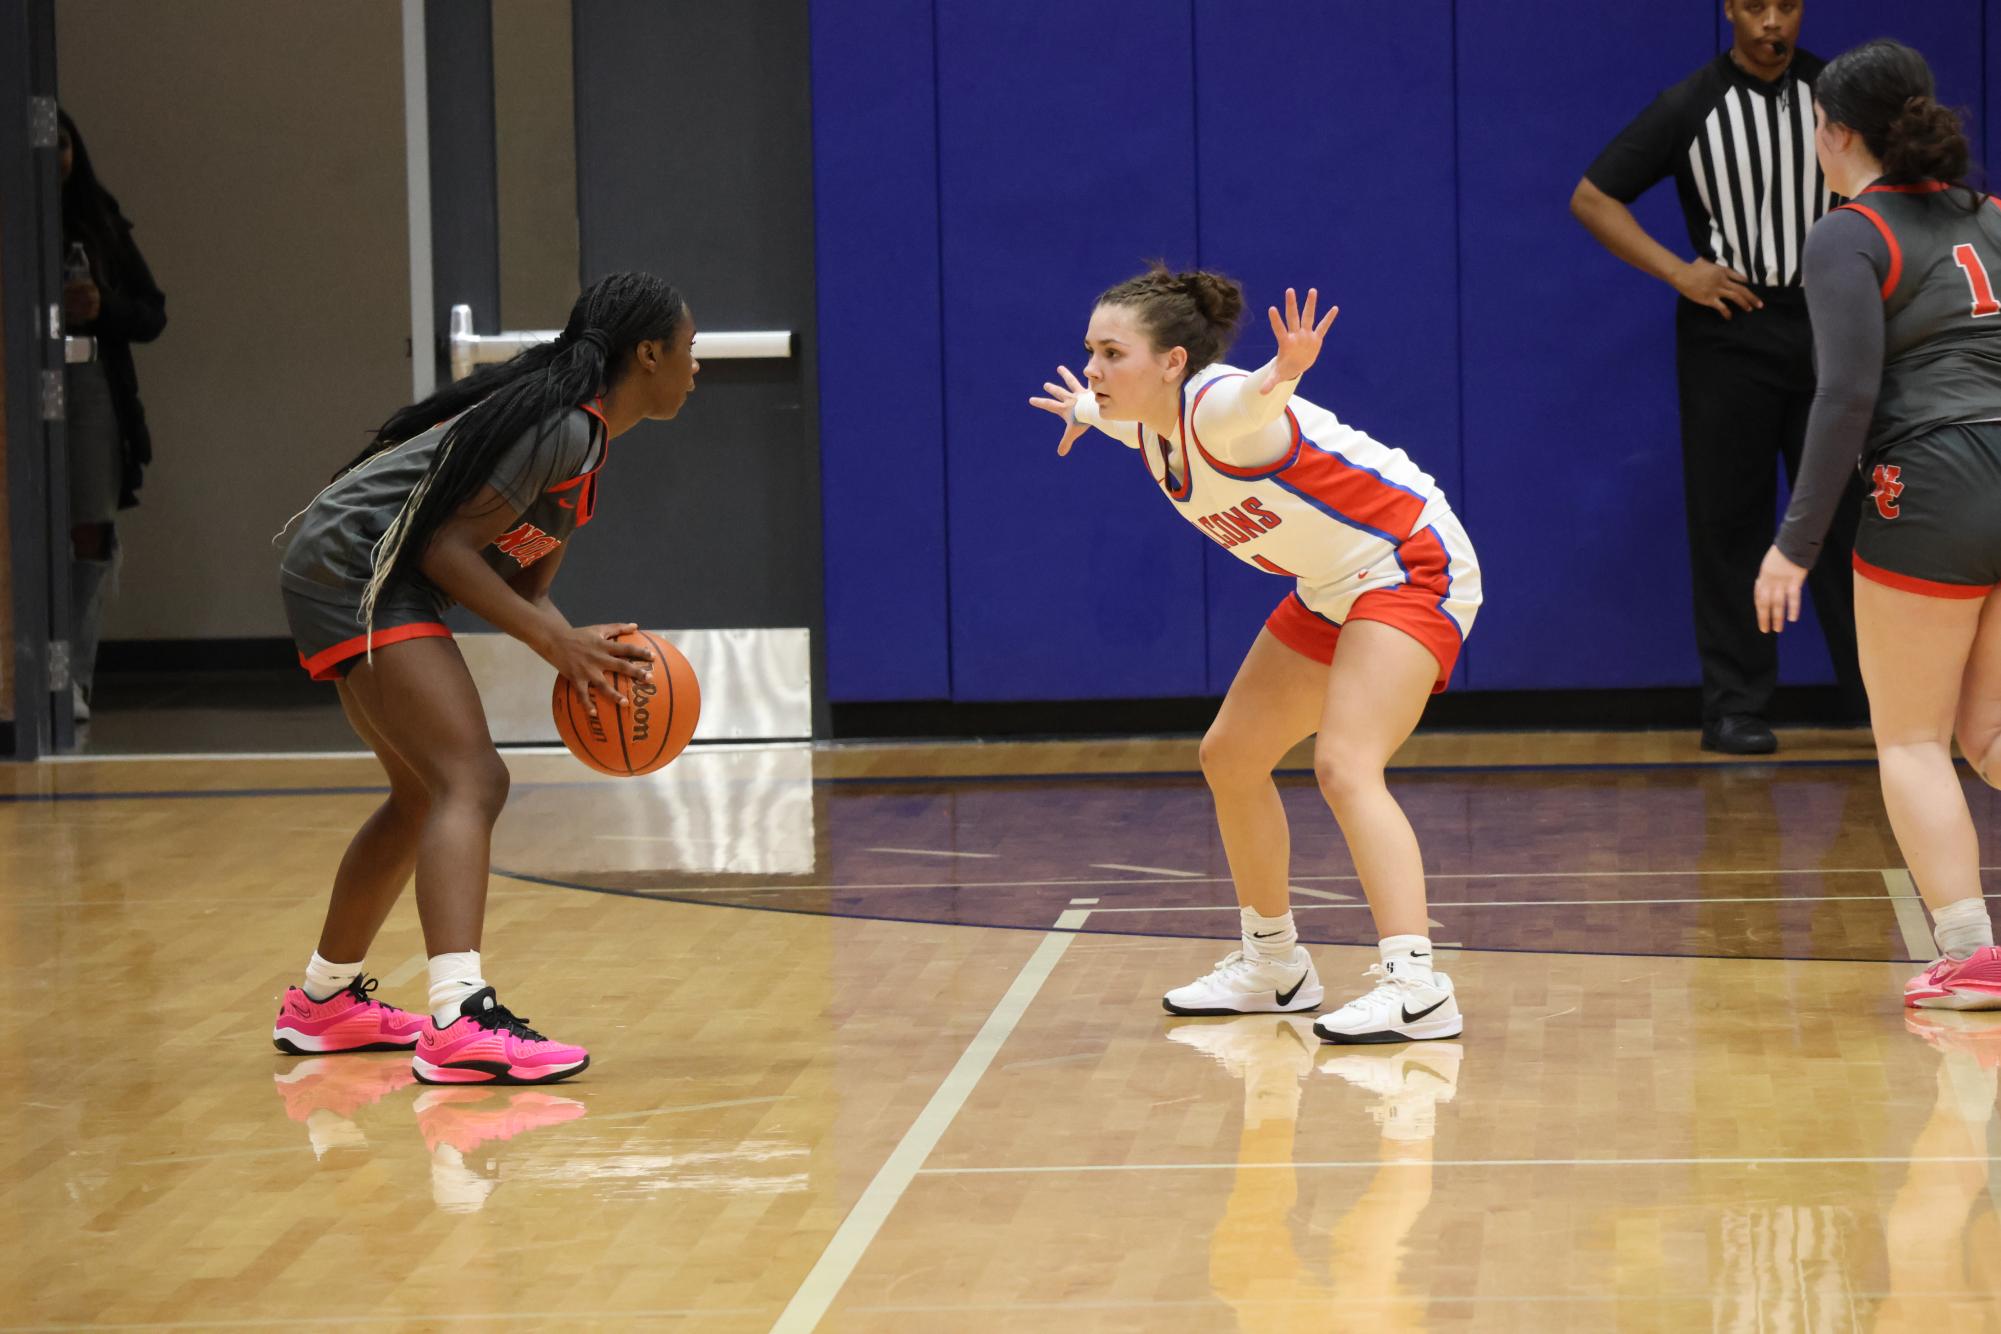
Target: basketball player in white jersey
<point>1385,588</point>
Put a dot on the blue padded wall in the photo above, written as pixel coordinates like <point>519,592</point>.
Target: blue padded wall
<point>882,390</point>
<point>1355,197</point>
<point>983,171</point>
<point>1061,169</point>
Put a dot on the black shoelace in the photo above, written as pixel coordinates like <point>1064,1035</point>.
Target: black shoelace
<point>362,986</point>
<point>498,1017</point>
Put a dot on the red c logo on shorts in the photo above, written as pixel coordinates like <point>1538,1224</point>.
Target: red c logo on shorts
<point>1888,488</point>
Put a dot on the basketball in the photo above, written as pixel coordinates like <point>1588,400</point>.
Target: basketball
<point>648,731</point>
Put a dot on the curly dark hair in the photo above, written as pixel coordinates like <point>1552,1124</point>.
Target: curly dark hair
<point>1196,310</point>
<point>1883,90</point>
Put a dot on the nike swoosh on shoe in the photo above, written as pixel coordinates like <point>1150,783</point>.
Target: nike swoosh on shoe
<point>1410,1018</point>
<point>1285,997</point>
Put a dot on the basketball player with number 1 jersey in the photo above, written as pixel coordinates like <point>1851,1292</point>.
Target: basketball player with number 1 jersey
<point>1907,337</point>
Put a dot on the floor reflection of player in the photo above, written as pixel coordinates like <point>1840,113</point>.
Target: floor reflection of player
<point>1254,1258</point>
<point>455,1122</point>
<point>1941,1235</point>
<point>324,1093</point>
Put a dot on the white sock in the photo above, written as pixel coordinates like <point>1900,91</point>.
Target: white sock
<point>1963,927</point>
<point>1273,938</point>
<point>324,980</point>
<point>453,978</point>
<point>1407,956</point>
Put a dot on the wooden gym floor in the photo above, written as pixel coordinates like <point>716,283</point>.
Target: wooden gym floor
<point>878,1046</point>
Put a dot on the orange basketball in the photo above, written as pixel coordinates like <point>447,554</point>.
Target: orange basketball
<point>644,734</point>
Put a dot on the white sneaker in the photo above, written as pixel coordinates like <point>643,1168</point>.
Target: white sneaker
<point>1409,1084</point>
<point>1401,1008</point>
<point>1249,984</point>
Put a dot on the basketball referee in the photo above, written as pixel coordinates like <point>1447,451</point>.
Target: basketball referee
<point>1737,136</point>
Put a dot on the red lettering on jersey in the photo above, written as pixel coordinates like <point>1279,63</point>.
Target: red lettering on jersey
<point>1978,285</point>
<point>1229,534</point>
<point>1888,487</point>
<point>1264,516</point>
<point>1248,526</point>
<point>527,544</point>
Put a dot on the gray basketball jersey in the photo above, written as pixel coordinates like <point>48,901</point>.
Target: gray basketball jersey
<point>548,477</point>
<point>1941,310</point>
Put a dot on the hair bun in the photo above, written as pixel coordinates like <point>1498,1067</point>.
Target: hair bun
<point>1925,142</point>
<point>1220,299</point>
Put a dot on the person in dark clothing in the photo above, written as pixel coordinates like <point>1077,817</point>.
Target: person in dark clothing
<point>1737,136</point>
<point>1907,330</point>
<point>110,302</point>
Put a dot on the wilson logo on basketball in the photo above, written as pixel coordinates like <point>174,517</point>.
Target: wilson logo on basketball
<point>1888,487</point>
<point>642,709</point>
<point>527,544</point>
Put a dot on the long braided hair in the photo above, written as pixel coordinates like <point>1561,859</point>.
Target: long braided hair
<point>495,407</point>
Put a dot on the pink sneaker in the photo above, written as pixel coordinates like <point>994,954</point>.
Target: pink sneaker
<point>346,1021</point>
<point>488,1044</point>
<point>1972,983</point>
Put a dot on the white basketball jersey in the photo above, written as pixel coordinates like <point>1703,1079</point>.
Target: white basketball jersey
<point>1331,513</point>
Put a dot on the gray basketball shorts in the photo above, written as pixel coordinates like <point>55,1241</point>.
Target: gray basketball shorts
<point>331,637</point>
<point>1931,522</point>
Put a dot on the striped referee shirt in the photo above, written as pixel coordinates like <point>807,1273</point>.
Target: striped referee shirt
<point>1741,154</point>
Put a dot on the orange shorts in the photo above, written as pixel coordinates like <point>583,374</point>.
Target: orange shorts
<point>1434,604</point>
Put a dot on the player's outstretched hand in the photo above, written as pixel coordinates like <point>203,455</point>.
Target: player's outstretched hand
<point>1298,337</point>
<point>1778,592</point>
<point>592,660</point>
<point>1062,401</point>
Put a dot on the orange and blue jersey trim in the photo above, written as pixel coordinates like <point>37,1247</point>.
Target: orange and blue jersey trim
<point>1230,470</point>
<point>1349,493</point>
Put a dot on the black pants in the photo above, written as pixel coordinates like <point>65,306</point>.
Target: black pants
<point>1746,386</point>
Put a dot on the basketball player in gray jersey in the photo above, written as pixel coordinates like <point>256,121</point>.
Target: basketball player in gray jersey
<point>1907,336</point>
<point>470,496</point>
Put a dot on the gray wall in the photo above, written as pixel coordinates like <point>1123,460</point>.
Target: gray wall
<point>273,199</point>
<point>694,150</point>
<point>535,160</point>
<point>258,149</point>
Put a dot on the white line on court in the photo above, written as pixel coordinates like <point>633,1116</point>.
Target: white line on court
<point>1549,903</point>
<point>1146,870</point>
<point>935,852</point>
<point>819,1288</point>
<point>1910,910</point>
<point>1089,883</point>
<point>1373,1163</point>
<point>1320,893</point>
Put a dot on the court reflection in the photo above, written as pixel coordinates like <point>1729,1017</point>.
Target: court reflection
<point>325,1094</point>
<point>1941,1230</point>
<point>724,813</point>
<point>345,1106</point>
<point>1273,1270</point>
<point>459,1123</point>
